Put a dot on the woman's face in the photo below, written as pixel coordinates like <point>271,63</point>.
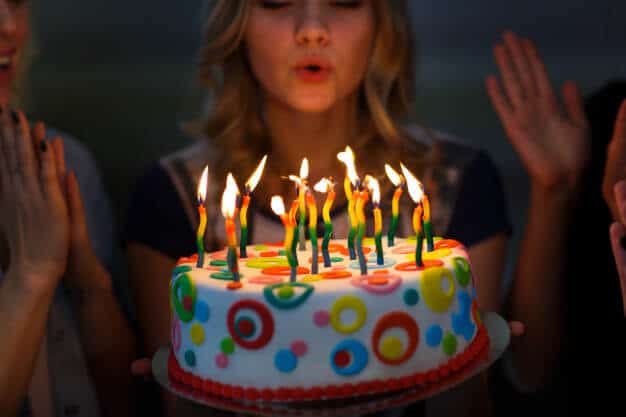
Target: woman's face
<point>14,29</point>
<point>310,54</point>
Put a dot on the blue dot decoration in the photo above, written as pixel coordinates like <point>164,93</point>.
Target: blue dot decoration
<point>190,358</point>
<point>372,265</point>
<point>358,353</point>
<point>411,297</point>
<point>202,311</point>
<point>434,334</point>
<point>462,321</point>
<point>285,360</point>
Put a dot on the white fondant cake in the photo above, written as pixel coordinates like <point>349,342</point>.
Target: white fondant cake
<point>334,334</point>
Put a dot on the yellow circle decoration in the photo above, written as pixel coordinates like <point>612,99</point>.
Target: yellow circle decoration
<point>434,295</point>
<point>312,278</point>
<point>354,303</point>
<point>391,348</point>
<point>197,334</point>
<point>436,254</point>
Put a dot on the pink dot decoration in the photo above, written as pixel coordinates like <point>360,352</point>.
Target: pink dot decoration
<point>299,347</point>
<point>321,318</point>
<point>221,360</point>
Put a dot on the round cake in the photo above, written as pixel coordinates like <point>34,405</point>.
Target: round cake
<point>334,334</point>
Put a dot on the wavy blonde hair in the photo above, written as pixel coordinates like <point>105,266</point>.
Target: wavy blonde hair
<point>234,123</point>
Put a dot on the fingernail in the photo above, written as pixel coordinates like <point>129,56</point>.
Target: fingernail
<point>622,242</point>
<point>15,117</point>
<point>43,146</point>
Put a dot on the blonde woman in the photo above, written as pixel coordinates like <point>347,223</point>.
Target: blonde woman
<point>306,78</point>
<point>65,346</point>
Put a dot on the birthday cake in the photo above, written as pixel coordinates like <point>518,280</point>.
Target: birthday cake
<point>338,333</point>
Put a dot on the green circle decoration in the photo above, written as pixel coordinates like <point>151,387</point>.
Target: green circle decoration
<point>184,284</point>
<point>291,302</point>
<point>411,297</point>
<point>227,345</point>
<point>449,344</point>
<point>218,262</point>
<point>190,358</point>
<point>462,271</point>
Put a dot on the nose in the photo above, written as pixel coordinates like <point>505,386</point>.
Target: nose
<point>7,19</point>
<point>311,28</point>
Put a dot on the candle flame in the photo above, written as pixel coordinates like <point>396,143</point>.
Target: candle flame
<point>304,169</point>
<point>297,180</point>
<point>323,186</point>
<point>347,157</point>
<point>202,185</point>
<point>229,196</point>
<point>278,206</point>
<point>372,184</point>
<point>416,191</point>
<point>394,177</point>
<point>256,175</point>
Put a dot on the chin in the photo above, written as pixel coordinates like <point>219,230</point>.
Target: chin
<point>310,104</point>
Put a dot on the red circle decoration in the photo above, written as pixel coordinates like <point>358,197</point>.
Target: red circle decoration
<point>447,244</point>
<point>391,320</point>
<point>410,266</point>
<point>336,274</point>
<point>245,327</point>
<point>342,358</point>
<point>267,324</point>
<point>284,270</point>
<point>269,254</point>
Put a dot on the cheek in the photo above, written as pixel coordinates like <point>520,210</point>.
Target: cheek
<point>356,52</point>
<point>265,51</point>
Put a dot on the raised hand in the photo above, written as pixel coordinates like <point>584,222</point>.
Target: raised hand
<point>615,168</point>
<point>33,212</point>
<point>552,142</point>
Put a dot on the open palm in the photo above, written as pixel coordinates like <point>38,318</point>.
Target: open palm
<point>553,144</point>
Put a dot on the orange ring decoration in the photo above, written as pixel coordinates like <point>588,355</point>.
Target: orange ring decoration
<point>410,266</point>
<point>338,274</point>
<point>391,320</point>
<point>284,270</point>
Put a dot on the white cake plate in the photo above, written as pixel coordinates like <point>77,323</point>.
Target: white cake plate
<point>499,335</point>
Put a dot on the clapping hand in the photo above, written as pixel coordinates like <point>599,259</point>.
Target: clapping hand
<point>552,142</point>
<point>33,213</point>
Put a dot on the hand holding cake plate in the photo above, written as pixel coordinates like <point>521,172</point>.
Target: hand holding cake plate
<point>499,334</point>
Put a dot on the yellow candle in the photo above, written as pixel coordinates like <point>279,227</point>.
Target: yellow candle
<point>351,180</point>
<point>310,202</point>
<point>202,213</point>
<point>229,211</point>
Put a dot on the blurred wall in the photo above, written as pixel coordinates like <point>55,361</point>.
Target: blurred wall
<point>120,75</point>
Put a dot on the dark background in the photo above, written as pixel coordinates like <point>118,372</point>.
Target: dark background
<point>120,76</point>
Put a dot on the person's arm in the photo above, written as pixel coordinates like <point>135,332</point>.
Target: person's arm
<point>34,224</point>
<point>106,337</point>
<point>553,145</point>
<point>615,168</point>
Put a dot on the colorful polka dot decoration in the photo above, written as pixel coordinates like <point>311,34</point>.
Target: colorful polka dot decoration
<point>224,276</point>
<point>221,360</point>
<point>180,269</point>
<point>434,334</point>
<point>190,358</point>
<point>462,271</point>
<point>197,334</point>
<point>449,344</point>
<point>312,278</point>
<point>410,266</point>
<point>183,288</point>
<point>411,297</point>
<point>285,360</point>
<point>299,347</point>
<point>265,280</point>
<point>227,346</point>
<point>218,262</point>
<point>338,273</point>
<point>262,336</point>
<point>438,288</point>
<point>349,357</point>
<point>321,318</point>
<point>447,243</point>
<point>284,270</point>
<point>371,264</point>
<point>461,321</point>
<point>429,256</point>
<point>245,327</point>
<point>283,296</point>
<point>377,283</point>
<point>390,350</point>
<point>353,303</point>
<point>202,311</point>
<point>261,247</point>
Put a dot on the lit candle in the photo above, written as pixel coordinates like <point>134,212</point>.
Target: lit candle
<point>374,187</point>
<point>416,193</point>
<point>310,202</point>
<point>396,180</point>
<point>229,209</point>
<point>245,202</point>
<point>361,198</point>
<point>302,191</point>
<point>351,180</point>
<point>326,186</point>
<point>202,212</point>
<point>289,222</point>
<point>430,245</point>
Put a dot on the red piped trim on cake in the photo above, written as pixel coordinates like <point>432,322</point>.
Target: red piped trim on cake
<point>193,385</point>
